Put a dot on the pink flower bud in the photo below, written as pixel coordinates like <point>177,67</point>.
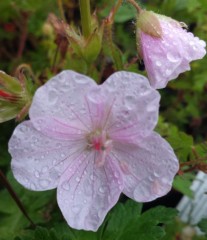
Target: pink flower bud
<point>166,47</point>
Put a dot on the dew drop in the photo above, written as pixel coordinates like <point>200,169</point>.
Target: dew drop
<point>33,186</point>
<point>168,72</point>
<point>100,213</point>
<point>191,43</point>
<point>62,155</point>
<point>52,97</point>
<point>119,182</point>
<point>76,209</point>
<point>195,48</point>
<point>58,145</point>
<point>116,174</point>
<point>77,179</point>
<point>158,63</point>
<point>66,186</point>
<point>44,183</point>
<point>37,175</point>
<point>129,102</point>
<point>156,174</point>
<point>172,58</point>
<point>23,129</point>
<point>103,189</point>
<point>81,79</point>
<point>44,169</point>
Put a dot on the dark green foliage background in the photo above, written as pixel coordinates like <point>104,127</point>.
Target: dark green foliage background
<point>183,117</point>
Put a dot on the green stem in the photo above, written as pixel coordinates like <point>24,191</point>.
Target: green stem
<point>114,10</point>
<point>60,6</point>
<point>136,5</point>
<point>85,12</point>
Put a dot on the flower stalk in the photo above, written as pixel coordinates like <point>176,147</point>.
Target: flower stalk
<point>85,13</point>
<point>136,5</point>
<point>60,6</point>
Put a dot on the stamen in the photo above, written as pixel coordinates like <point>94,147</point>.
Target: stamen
<point>99,142</point>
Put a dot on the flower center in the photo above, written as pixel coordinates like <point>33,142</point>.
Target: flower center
<point>100,142</point>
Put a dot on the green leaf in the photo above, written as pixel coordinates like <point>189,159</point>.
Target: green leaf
<point>126,222</point>
<point>119,218</point>
<point>125,13</point>
<point>12,221</point>
<point>147,225</point>
<point>180,141</point>
<point>203,225</point>
<point>183,183</point>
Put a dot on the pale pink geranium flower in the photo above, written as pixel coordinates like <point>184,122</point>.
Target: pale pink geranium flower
<point>93,142</point>
<point>166,47</point>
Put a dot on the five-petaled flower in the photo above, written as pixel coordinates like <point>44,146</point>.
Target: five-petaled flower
<point>93,142</point>
<point>166,47</point>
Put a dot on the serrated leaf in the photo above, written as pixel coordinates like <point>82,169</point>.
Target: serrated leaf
<point>12,220</point>
<point>119,218</point>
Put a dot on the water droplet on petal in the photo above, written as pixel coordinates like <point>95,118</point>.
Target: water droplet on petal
<point>45,169</point>
<point>158,63</point>
<point>23,128</point>
<point>168,72</point>
<point>191,43</point>
<point>37,175</point>
<point>77,179</point>
<point>129,102</point>
<point>81,79</point>
<point>116,174</point>
<point>156,174</point>
<point>44,183</point>
<point>33,186</point>
<point>172,58</point>
<point>52,97</point>
<point>66,186</point>
<point>76,209</point>
<point>103,189</point>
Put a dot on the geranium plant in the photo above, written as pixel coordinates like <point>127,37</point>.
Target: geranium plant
<point>91,123</point>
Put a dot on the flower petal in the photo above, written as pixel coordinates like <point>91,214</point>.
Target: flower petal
<point>135,106</point>
<point>172,54</point>
<point>58,129</point>
<point>63,97</point>
<point>38,160</point>
<point>87,192</point>
<point>98,105</point>
<point>148,167</point>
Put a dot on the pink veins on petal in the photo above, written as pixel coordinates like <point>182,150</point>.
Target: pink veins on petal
<point>93,142</point>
